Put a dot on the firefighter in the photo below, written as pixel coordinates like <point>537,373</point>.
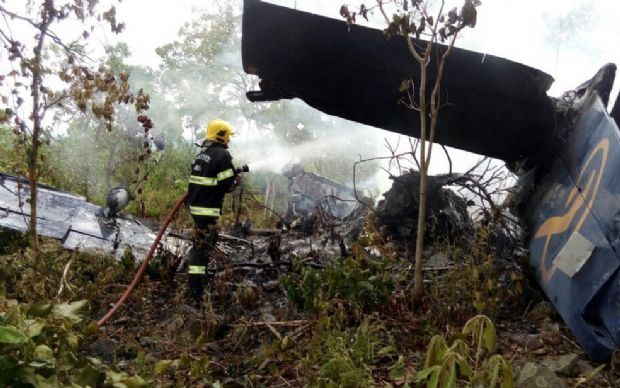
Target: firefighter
<point>212,176</point>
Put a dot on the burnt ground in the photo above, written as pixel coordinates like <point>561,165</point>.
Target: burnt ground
<point>304,315</point>
<point>251,335</point>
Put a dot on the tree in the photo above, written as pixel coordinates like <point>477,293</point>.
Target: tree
<point>427,19</point>
<point>52,69</point>
<point>202,75</point>
<point>193,74</point>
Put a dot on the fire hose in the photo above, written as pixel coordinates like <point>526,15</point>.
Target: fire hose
<point>145,262</point>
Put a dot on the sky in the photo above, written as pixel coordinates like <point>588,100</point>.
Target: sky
<point>537,33</point>
<point>521,31</point>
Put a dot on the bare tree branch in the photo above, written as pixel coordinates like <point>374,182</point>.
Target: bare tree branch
<point>449,159</point>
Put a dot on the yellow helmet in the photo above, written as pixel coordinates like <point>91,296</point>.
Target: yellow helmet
<point>219,131</point>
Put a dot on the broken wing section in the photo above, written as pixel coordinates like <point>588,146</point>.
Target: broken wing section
<point>73,221</point>
<point>575,226</point>
<point>491,106</point>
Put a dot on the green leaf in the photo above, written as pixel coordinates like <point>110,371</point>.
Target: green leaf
<point>460,347</point>
<point>50,382</point>
<point>161,367</point>
<point>114,377</point>
<point>10,335</point>
<point>88,376</point>
<point>43,353</point>
<point>494,368</point>
<point>39,309</point>
<point>184,361</point>
<point>73,311</point>
<point>121,379</point>
<point>397,370</point>
<point>134,382</point>
<point>386,351</point>
<point>34,327</point>
<point>507,375</point>
<point>287,343</point>
<point>365,285</point>
<point>464,368</point>
<point>436,349</point>
<point>72,340</point>
<point>489,337</point>
<point>424,374</point>
<point>90,329</point>
<point>481,328</point>
<point>434,382</point>
<point>451,383</point>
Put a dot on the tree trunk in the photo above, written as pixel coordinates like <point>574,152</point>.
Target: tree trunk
<point>38,113</point>
<point>33,176</point>
<point>418,281</point>
<point>33,182</point>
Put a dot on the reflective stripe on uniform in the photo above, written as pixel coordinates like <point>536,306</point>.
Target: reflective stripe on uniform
<point>225,174</point>
<point>203,181</point>
<point>197,270</point>
<point>204,211</point>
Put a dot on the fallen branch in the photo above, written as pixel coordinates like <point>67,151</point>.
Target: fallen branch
<point>299,331</point>
<point>253,265</point>
<point>63,279</point>
<point>229,237</point>
<point>274,331</point>
<point>264,232</point>
<point>294,323</point>
<point>436,269</point>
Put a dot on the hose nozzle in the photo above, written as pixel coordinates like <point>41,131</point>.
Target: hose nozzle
<point>244,168</point>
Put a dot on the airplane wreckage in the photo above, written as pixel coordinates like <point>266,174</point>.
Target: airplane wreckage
<point>568,148</point>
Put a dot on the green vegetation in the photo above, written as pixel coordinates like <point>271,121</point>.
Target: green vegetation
<point>344,356</point>
<point>480,283</point>
<point>446,366</point>
<point>359,282</point>
<point>39,346</point>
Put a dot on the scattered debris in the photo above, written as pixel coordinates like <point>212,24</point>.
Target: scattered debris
<point>312,196</point>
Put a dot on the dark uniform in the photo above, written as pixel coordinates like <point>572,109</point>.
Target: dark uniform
<point>212,176</point>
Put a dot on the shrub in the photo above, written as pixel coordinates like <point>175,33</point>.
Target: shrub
<point>482,283</point>
<point>446,365</point>
<point>345,357</point>
<point>362,282</point>
<point>39,347</point>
